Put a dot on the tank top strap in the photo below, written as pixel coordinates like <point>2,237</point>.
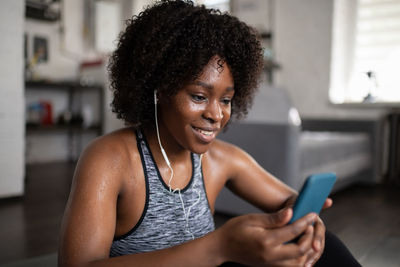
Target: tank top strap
<point>148,163</point>
<point>139,135</point>
<point>197,169</point>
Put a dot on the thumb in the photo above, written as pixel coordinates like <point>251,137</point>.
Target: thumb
<point>278,219</point>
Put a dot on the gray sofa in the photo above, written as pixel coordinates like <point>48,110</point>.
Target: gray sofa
<point>291,149</point>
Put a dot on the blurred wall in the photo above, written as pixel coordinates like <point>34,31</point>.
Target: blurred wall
<point>12,123</point>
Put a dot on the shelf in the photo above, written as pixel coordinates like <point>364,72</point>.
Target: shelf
<point>39,10</point>
<point>64,85</point>
<point>73,92</point>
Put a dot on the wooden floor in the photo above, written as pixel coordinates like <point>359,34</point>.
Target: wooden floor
<point>29,226</point>
<point>366,218</point>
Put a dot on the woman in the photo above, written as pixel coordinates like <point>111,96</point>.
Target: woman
<point>145,194</point>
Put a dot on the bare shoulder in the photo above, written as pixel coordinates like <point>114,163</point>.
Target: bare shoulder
<point>90,218</point>
<point>227,154</point>
<point>108,156</point>
<point>112,146</point>
<point>220,149</point>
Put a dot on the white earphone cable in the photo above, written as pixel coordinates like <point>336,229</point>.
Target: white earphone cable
<point>159,143</point>
<point>164,154</point>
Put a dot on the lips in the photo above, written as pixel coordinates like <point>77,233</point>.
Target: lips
<point>206,135</point>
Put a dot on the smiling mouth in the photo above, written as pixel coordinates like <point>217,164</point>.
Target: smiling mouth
<point>206,135</point>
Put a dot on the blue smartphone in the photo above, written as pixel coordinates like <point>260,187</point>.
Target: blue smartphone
<point>313,194</point>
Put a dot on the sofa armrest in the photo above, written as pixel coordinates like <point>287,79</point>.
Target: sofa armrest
<point>273,146</point>
<point>373,127</point>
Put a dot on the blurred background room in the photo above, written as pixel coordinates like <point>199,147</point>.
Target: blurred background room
<point>328,101</point>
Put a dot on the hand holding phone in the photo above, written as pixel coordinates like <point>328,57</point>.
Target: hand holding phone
<point>313,194</point>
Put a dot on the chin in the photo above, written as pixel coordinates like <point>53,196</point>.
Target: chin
<point>201,148</point>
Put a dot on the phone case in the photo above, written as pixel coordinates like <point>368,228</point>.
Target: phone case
<point>313,194</point>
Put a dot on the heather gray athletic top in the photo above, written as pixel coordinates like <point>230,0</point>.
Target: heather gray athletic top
<point>163,222</point>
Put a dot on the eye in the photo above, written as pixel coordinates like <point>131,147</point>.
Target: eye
<point>226,101</point>
<point>198,98</point>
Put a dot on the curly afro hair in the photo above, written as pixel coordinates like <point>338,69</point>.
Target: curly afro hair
<point>168,45</point>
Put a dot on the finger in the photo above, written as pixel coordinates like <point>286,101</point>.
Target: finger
<point>312,261</point>
<point>319,235</point>
<point>310,257</point>
<point>328,203</point>
<point>273,220</point>
<point>296,250</point>
<point>290,231</point>
<point>301,261</point>
<point>305,241</point>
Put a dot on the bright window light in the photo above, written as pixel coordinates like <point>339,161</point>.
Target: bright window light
<point>222,5</point>
<point>373,62</point>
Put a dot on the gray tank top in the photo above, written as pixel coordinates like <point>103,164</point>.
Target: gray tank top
<point>163,223</point>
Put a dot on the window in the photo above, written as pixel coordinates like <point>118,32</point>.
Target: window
<point>366,51</point>
<point>222,5</point>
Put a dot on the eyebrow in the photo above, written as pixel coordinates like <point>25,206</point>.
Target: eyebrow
<point>210,86</point>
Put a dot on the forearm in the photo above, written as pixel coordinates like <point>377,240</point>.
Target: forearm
<point>205,251</point>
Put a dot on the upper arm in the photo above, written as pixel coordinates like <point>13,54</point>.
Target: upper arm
<point>90,217</point>
<point>253,183</point>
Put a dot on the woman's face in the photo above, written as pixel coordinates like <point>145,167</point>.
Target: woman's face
<point>198,112</point>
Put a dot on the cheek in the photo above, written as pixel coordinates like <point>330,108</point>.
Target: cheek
<point>189,109</point>
<point>193,108</point>
<point>186,111</point>
<point>227,115</point>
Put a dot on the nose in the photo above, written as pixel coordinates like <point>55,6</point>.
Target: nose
<point>213,112</point>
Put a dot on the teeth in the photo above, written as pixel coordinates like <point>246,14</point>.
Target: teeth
<point>208,133</point>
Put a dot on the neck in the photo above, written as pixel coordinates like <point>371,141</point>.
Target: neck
<point>175,152</point>
<point>177,173</point>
